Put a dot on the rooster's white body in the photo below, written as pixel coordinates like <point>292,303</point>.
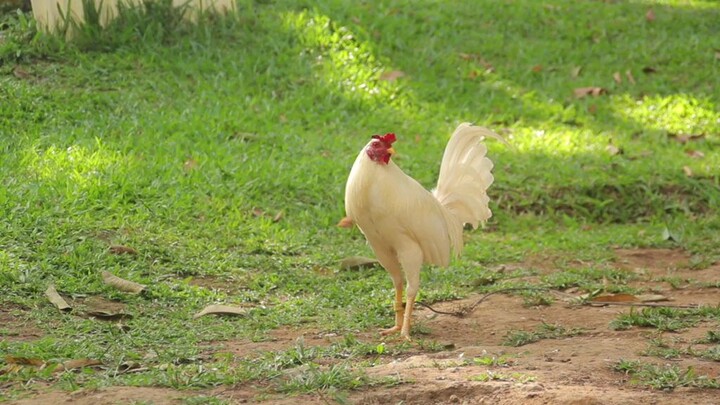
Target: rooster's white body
<point>406,225</point>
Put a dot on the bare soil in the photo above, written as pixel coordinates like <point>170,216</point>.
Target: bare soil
<point>571,370</point>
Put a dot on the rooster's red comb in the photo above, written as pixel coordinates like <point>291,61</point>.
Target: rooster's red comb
<point>388,138</point>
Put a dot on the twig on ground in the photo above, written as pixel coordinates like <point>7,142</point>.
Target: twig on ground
<point>466,310</point>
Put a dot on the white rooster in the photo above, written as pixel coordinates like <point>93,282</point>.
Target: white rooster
<point>405,224</point>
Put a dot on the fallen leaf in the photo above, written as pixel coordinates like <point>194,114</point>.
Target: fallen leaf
<point>648,70</point>
<point>131,367</point>
<point>617,77</point>
<point>581,92</point>
<point>652,298</point>
<point>122,284</point>
<point>392,75</point>
<point>357,262</point>
<point>283,118</point>
<point>122,250</point>
<point>467,56</point>
<point>537,68</point>
<point>473,74</point>
<point>685,138</point>
<point>257,212</point>
<point>107,315</point>
<point>346,222</point>
<point>717,55</point>
<point>613,150</point>
<point>190,165</point>
<point>21,73</point>
<point>592,108</point>
<point>575,72</point>
<point>694,153</point>
<point>629,76</point>
<point>220,310</point>
<point>24,361</point>
<point>55,298</point>
<point>650,15</point>
<point>278,216</point>
<point>688,171</point>
<point>614,298</point>
<point>79,363</point>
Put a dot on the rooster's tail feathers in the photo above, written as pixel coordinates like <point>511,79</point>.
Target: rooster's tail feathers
<point>466,174</point>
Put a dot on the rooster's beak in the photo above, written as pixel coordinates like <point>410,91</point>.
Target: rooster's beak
<point>391,151</point>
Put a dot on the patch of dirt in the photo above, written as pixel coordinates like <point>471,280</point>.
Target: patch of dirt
<point>568,370</point>
<point>16,326</point>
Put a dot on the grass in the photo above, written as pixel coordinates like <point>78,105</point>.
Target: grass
<point>545,330</point>
<point>665,319</point>
<point>665,377</point>
<point>176,139</point>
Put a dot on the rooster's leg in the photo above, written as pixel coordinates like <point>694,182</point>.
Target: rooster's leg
<point>411,263</point>
<point>398,305</point>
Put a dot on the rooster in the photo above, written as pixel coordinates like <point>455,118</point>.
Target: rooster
<point>408,226</point>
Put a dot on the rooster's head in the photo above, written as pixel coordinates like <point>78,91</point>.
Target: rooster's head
<point>380,148</point>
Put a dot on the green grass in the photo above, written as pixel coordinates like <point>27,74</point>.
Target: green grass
<point>518,338</point>
<point>667,377</point>
<point>168,138</point>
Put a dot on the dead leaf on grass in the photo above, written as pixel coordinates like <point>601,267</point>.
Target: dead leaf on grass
<point>581,92</point>
<point>696,154</point>
<point>575,72</point>
<point>220,310</point>
<point>55,298</point>
<point>537,68</point>
<point>392,75</point>
<point>108,315</point>
<point>257,212</point>
<point>630,77</point>
<point>617,77</point>
<point>685,138</point>
<point>615,298</point>
<point>717,55</point>
<point>122,284</point>
<point>650,15</point>
<point>649,69</point>
<point>24,361</point>
<point>278,216</point>
<point>357,262</point>
<point>78,363</point>
<point>190,165</point>
<point>122,250</point>
<point>652,298</point>
<point>21,73</point>
<point>688,171</point>
<point>613,150</point>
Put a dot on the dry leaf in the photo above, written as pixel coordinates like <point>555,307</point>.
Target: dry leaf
<point>257,212</point>
<point>121,284</point>
<point>652,298</point>
<point>392,75</point>
<point>685,138</point>
<point>24,361</point>
<point>694,153</point>
<point>650,15</point>
<point>346,222</point>
<point>688,171</point>
<point>278,216</point>
<point>617,77</point>
<point>131,367</point>
<point>717,55</point>
<point>190,165</point>
<point>357,262</point>
<point>613,150</point>
<point>283,118</point>
<point>615,298</point>
<point>78,363</point>
<point>467,56</point>
<point>629,76</point>
<point>473,74</point>
<point>220,310</point>
<point>537,68</point>
<point>122,250</point>
<point>107,315</point>
<point>21,73</point>
<point>575,72</point>
<point>648,70</point>
<point>581,92</point>
<point>55,298</point>
<point>592,109</point>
